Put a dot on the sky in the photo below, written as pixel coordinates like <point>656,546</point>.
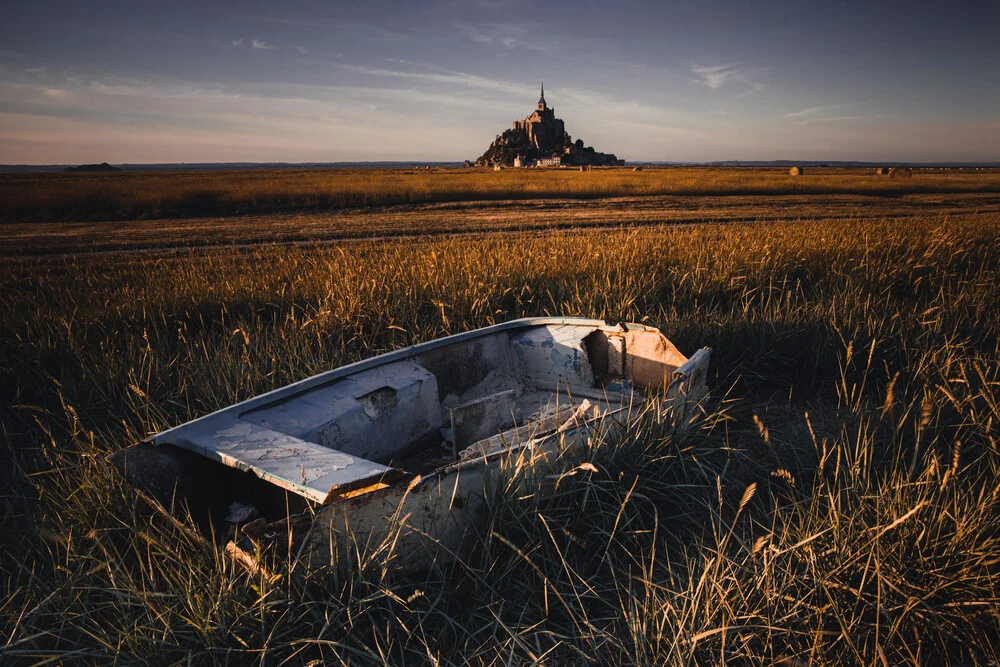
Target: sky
<point>314,81</point>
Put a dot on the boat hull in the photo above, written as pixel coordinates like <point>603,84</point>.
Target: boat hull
<point>398,456</point>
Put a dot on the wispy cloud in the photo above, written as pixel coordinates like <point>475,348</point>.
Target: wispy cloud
<point>812,110</point>
<point>718,76</point>
<point>57,93</point>
<point>443,76</point>
<point>841,119</point>
<point>302,50</point>
<point>472,33</point>
<point>125,120</point>
<point>616,106</point>
<point>507,35</point>
<point>504,35</point>
<point>258,44</point>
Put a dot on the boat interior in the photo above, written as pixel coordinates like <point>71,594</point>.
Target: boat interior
<point>327,437</point>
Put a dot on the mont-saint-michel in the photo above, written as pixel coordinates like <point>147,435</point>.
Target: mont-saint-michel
<point>541,139</point>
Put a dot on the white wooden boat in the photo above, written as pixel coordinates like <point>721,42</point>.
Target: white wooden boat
<point>405,447</point>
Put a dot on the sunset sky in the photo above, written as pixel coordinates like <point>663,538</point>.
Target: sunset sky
<point>180,81</point>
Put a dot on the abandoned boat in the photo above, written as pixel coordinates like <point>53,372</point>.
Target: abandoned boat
<point>406,446</point>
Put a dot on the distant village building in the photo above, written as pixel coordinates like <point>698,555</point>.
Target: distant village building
<point>541,139</point>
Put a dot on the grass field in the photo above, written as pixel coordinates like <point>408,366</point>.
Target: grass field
<point>471,218</point>
<point>142,196</point>
<point>837,505</point>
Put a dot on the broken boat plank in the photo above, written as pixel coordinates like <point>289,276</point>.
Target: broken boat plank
<point>303,467</point>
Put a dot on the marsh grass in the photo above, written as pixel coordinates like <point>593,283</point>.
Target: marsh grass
<point>132,196</point>
<point>836,505</point>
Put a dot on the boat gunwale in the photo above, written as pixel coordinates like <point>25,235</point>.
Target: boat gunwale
<point>299,386</point>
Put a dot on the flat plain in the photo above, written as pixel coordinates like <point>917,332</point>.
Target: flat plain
<point>836,504</point>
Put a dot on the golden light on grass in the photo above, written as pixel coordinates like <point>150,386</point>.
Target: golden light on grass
<point>859,530</point>
<point>139,195</point>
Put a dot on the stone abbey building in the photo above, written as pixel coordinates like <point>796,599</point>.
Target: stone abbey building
<point>541,139</point>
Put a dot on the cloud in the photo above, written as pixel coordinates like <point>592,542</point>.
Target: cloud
<point>472,33</point>
<point>441,75</point>
<point>505,35</point>
<point>841,119</point>
<point>617,106</point>
<point>812,110</point>
<point>170,120</point>
<point>128,120</point>
<point>302,50</point>
<point>718,76</point>
<point>258,44</point>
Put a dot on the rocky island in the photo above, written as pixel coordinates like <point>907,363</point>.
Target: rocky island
<point>104,166</point>
<point>541,140</point>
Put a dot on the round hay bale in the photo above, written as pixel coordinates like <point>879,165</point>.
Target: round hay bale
<point>795,171</point>
<point>636,168</point>
<point>900,172</point>
<point>882,171</point>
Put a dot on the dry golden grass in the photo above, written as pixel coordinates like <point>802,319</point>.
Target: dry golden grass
<point>837,506</point>
<point>28,239</point>
<point>131,196</point>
